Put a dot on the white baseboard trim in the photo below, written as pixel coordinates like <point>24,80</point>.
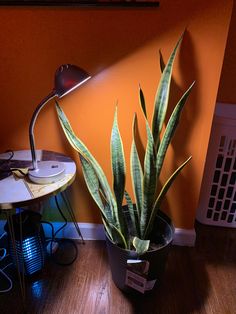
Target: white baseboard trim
<point>90,231</point>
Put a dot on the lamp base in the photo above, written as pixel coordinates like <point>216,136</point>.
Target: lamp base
<point>47,172</point>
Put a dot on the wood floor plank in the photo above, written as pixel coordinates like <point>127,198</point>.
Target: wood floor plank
<point>198,280</point>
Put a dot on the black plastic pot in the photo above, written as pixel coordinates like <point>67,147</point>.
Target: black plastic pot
<point>144,273</point>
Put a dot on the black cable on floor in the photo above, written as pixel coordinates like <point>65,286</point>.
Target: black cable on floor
<point>62,215</point>
<point>60,241</point>
<point>72,215</point>
<point>63,240</point>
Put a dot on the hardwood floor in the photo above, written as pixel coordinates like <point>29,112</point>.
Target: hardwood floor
<point>197,280</point>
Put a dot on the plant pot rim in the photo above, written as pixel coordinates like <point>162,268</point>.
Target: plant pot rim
<point>168,242</point>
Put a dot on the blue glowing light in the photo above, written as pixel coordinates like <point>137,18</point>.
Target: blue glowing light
<point>31,254</point>
<point>37,289</point>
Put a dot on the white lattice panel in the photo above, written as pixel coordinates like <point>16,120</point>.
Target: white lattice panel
<point>217,205</point>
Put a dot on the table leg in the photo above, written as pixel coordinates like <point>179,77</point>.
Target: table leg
<point>72,215</point>
<point>19,262</point>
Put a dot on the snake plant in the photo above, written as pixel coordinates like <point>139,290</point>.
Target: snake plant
<point>130,226</point>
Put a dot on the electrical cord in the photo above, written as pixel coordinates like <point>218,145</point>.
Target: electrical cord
<point>8,279</point>
<point>65,240</point>
<point>12,170</point>
<point>62,215</point>
<point>6,160</point>
<point>60,241</point>
<point>52,239</point>
<point>2,269</point>
<point>71,212</point>
<point>2,235</point>
<point>6,171</point>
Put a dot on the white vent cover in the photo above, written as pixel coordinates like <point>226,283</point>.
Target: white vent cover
<point>217,204</point>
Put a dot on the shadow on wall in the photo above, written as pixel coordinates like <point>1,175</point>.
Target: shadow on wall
<point>40,39</point>
<point>36,41</point>
<point>178,151</point>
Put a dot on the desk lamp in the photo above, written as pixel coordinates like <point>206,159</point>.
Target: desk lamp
<point>67,78</point>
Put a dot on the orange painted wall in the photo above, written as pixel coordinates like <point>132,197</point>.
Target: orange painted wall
<point>120,49</point>
<point>227,91</point>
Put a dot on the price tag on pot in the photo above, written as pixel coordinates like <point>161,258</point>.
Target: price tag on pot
<point>135,281</point>
<point>136,274</point>
<point>150,284</point>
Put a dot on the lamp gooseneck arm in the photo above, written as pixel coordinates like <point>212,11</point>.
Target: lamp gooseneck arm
<point>31,127</point>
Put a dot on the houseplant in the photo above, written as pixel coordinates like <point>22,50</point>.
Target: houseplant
<point>131,229</point>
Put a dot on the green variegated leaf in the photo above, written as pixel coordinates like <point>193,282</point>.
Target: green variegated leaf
<point>94,188</point>
<point>140,245</point>
<point>92,182</point>
<point>161,195</point>
<point>162,96</point>
<point>149,181</point>
<point>142,101</point>
<point>136,171</point>
<point>107,228</point>
<point>162,64</point>
<point>170,129</point>
<point>115,234</point>
<point>79,146</point>
<point>130,226</point>
<point>118,163</point>
<point>132,216</point>
<point>118,171</point>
